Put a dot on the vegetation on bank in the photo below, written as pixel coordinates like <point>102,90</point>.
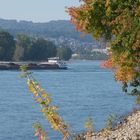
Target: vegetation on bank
<point>64,52</point>
<point>26,48</point>
<point>7,46</point>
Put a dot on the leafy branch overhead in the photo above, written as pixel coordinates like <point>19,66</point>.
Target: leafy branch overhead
<point>118,21</point>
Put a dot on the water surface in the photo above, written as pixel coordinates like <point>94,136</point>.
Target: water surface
<point>84,90</point>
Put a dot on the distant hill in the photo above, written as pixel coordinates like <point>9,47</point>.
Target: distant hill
<point>52,29</point>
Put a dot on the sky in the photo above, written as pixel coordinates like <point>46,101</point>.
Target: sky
<point>36,10</point>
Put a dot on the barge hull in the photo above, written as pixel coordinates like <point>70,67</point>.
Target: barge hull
<point>30,66</point>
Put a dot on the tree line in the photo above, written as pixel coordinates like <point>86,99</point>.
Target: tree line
<point>27,48</point>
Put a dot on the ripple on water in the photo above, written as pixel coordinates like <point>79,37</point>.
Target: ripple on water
<point>84,90</point>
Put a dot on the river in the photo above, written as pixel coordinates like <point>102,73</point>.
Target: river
<point>84,90</point>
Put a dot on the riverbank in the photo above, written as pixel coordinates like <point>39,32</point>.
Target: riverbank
<point>128,130</point>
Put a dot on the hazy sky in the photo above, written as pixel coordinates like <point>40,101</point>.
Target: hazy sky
<point>35,10</point>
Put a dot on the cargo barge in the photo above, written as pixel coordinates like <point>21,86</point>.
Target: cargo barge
<point>52,63</point>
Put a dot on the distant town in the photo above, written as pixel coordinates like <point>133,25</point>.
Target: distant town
<point>61,33</point>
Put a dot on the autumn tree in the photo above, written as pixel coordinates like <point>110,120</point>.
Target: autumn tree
<point>118,21</point>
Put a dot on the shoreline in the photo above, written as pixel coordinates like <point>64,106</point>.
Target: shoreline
<point>128,129</point>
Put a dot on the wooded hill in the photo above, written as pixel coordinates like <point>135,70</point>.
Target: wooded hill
<point>52,29</point>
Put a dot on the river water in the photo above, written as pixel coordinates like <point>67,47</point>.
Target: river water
<point>84,90</point>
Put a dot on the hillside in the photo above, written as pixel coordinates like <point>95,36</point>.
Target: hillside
<point>61,33</point>
<point>52,29</point>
